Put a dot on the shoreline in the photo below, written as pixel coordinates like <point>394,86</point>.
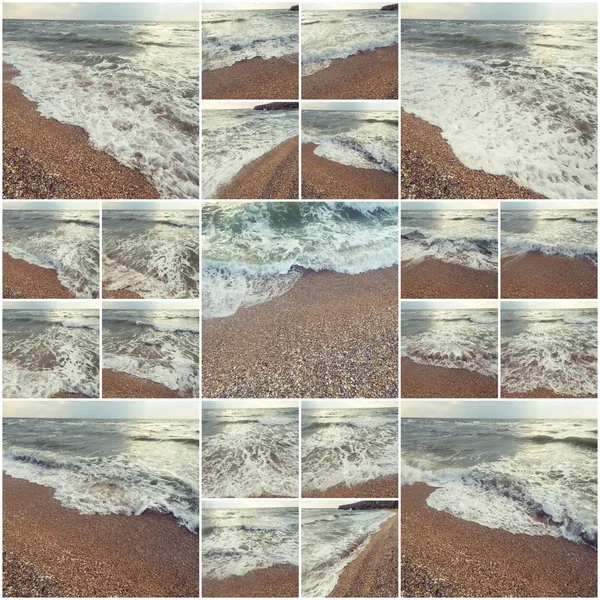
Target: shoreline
<point>331,335</point>
<point>253,79</point>
<point>44,158</point>
<point>428,381</point>
<point>51,550</point>
<point>536,393</point>
<point>431,170</point>
<point>279,581</point>
<point>385,486</point>
<point>366,75</point>
<point>374,572</point>
<point>274,175</point>
<point>539,275</point>
<point>119,294</point>
<point>324,178</point>
<point>21,279</point>
<point>443,555</point>
<point>433,278</point>
<point>118,384</point>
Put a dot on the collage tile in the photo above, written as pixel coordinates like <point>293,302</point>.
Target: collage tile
<point>299,300</point>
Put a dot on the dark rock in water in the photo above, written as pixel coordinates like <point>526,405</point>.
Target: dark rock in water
<point>390,7</point>
<point>370,505</point>
<point>278,106</point>
<point>295,7</point>
<point>235,47</point>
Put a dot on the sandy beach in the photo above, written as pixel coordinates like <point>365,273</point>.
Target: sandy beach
<point>24,280</point>
<point>116,384</point>
<point>538,275</point>
<point>381,487</point>
<point>280,581</point>
<point>374,572</point>
<point>367,75</point>
<point>431,170</point>
<point>273,175</point>
<point>432,278</point>
<point>331,335</point>
<point>43,158</point>
<point>426,381</point>
<point>446,556</point>
<point>253,79</point>
<point>324,178</point>
<point>50,550</point>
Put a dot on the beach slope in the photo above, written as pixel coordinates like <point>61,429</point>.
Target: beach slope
<point>117,384</point>
<point>444,556</point>
<point>380,487</point>
<point>50,550</point>
<point>280,581</point>
<point>21,279</point>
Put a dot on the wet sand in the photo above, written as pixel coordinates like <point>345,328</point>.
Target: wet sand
<point>119,294</point>
<point>43,158</point>
<point>537,393</point>
<point>280,581</point>
<point>50,550</point>
<point>380,487</point>
<point>538,275</point>
<point>374,572</point>
<point>446,556</point>
<point>253,79</point>
<point>21,279</point>
<point>273,175</point>
<point>331,335</point>
<point>367,75</point>
<point>431,170</point>
<point>426,381</point>
<point>324,178</point>
<point>432,278</point>
<point>116,384</point>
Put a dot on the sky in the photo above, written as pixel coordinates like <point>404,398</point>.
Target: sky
<point>366,404</point>
<point>328,502</point>
<point>208,6</point>
<point>451,205</point>
<point>343,5</point>
<point>350,105</point>
<point>66,206</point>
<point>151,304</point>
<point>50,304</point>
<point>249,503</point>
<point>231,104</point>
<point>504,409</point>
<point>546,304</point>
<point>448,304</point>
<point>143,205</point>
<point>550,205</point>
<point>103,11</point>
<point>227,404</point>
<point>102,409</point>
<point>501,11</point>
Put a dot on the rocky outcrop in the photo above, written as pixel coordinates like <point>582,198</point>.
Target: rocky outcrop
<point>295,7</point>
<point>390,7</point>
<point>278,106</point>
<point>370,505</point>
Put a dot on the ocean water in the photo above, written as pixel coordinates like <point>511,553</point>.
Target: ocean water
<point>99,466</point>
<point>512,98</point>
<point>237,541</point>
<point>154,253</point>
<point>159,345</point>
<point>330,34</point>
<point>233,138</point>
<point>50,351</point>
<point>453,339</point>
<point>570,233</point>
<point>331,539</point>
<point>462,237</point>
<point>133,87</point>
<point>249,452</point>
<point>554,349</point>
<point>253,252</point>
<point>65,241</point>
<point>229,36</point>
<point>534,477</point>
<point>363,139</point>
<point>348,446</point>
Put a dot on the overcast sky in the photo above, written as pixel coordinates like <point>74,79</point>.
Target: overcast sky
<point>365,404</point>
<point>501,11</point>
<point>64,206</point>
<point>151,304</point>
<point>104,11</point>
<point>451,205</point>
<point>227,404</point>
<point>328,502</point>
<point>343,5</point>
<point>250,503</point>
<point>448,304</point>
<point>350,105</point>
<point>151,205</point>
<point>210,6</point>
<point>102,409</point>
<point>550,205</point>
<point>50,304</point>
<point>504,409</point>
<point>546,304</point>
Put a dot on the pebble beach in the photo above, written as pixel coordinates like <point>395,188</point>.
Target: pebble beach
<point>380,487</point>
<point>116,384</point>
<point>280,581</point>
<point>24,280</point>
